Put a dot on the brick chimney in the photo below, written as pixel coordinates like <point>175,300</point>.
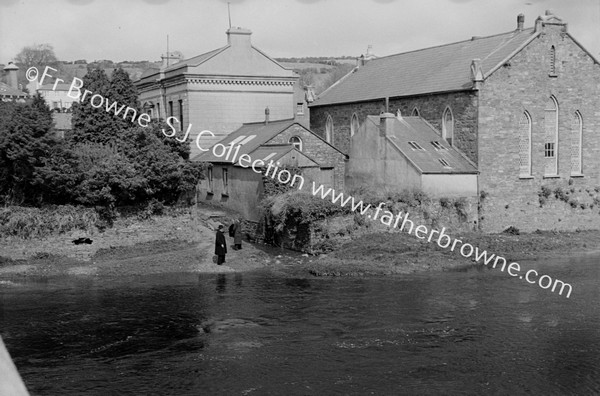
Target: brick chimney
<point>11,70</point>
<point>238,37</point>
<point>267,112</point>
<point>520,22</point>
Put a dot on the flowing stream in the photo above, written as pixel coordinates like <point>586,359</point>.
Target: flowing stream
<point>473,332</point>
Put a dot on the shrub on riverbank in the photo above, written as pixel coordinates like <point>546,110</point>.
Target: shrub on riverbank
<point>25,223</point>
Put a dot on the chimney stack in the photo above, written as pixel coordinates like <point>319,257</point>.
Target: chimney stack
<point>520,22</point>
<point>12,69</point>
<point>267,111</point>
<point>239,37</point>
<point>386,123</point>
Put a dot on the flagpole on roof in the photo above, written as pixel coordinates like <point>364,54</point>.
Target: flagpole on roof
<point>229,14</point>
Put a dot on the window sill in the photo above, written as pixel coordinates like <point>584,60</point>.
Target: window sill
<point>225,194</point>
<point>577,175</point>
<point>552,75</point>
<point>525,177</point>
<point>551,176</point>
<point>210,193</point>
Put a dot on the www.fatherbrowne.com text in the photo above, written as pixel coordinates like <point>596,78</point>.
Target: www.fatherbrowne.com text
<point>400,220</point>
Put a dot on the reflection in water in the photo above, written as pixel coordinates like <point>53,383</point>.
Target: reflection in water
<point>473,332</point>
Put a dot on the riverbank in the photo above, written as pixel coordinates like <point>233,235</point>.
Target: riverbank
<point>160,244</point>
<point>185,243</point>
<point>398,253</point>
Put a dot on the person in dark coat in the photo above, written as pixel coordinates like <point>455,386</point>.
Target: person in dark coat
<point>220,245</point>
<point>237,234</point>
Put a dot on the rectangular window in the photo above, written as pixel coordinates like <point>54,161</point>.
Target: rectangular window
<point>170,108</point>
<point>225,182</point>
<point>300,108</point>
<point>415,146</point>
<point>444,163</point>
<point>438,146</point>
<point>181,115</point>
<point>549,150</point>
<point>210,179</point>
<point>158,111</point>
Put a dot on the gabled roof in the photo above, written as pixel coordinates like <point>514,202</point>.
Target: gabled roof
<point>254,140</point>
<point>443,68</point>
<point>249,136</point>
<point>7,90</point>
<point>422,146</point>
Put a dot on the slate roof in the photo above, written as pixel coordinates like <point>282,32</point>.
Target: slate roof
<point>260,131</point>
<point>7,90</point>
<point>427,158</point>
<point>437,69</point>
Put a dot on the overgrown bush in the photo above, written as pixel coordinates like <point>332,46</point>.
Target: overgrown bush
<point>461,205</point>
<point>24,222</point>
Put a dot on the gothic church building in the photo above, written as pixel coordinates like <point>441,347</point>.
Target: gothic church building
<point>523,106</point>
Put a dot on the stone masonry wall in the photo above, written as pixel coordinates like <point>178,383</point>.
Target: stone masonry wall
<point>564,202</point>
<point>431,107</point>
<point>316,149</point>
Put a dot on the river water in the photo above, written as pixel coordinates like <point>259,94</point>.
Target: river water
<point>473,332</point>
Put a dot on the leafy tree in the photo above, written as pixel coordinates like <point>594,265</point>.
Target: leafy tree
<point>25,140</point>
<point>37,55</point>
<point>125,93</point>
<point>90,124</point>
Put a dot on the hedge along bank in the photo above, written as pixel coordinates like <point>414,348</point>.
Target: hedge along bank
<point>400,220</point>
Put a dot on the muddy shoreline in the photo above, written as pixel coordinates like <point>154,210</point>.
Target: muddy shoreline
<point>371,254</point>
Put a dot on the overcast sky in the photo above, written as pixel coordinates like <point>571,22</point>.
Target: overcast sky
<point>137,29</point>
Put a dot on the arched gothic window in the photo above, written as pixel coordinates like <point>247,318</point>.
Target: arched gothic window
<point>577,144</point>
<point>551,143</point>
<point>415,112</point>
<point>525,145</point>
<point>354,125</point>
<point>329,129</point>
<point>296,142</point>
<point>448,125</point>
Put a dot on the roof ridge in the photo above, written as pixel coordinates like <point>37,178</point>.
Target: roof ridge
<point>270,121</point>
<point>474,38</point>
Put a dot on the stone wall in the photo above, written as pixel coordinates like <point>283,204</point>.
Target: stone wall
<point>526,84</point>
<point>431,107</point>
<point>316,149</point>
<point>456,215</point>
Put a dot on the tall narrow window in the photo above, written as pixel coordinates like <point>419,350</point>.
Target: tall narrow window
<point>525,145</point>
<point>448,125</point>
<point>210,179</point>
<point>576,144</point>
<point>552,61</point>
<point>158,110</point>
<point>415,112</point>
<point>329,129</point>
<point>170,108</point>
<point>551,144</point>
<point>225,182</point>
<point>180,115</point>
<point>354,125</point>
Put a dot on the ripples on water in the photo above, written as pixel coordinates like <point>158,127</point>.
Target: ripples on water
<point>475,332</point>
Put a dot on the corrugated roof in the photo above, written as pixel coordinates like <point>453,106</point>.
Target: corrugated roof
<point>7,90</point>
<point>252,135</point>
<point>424,147</point>
<point>437,69</point>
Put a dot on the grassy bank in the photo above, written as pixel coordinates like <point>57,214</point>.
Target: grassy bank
<point>396,253</point>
